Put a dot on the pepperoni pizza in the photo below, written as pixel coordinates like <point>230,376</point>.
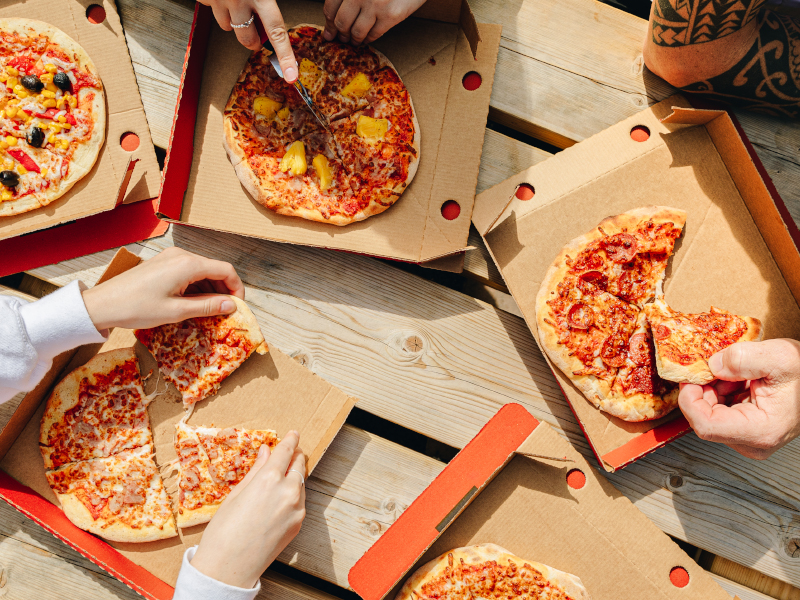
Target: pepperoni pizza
<point>290,164</point>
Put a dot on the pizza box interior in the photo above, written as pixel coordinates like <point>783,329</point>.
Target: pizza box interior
<point>519,485</point>
<point>432,52</point>
<point>736,252</point>
<point>109,183</point>
<point>267,392</point>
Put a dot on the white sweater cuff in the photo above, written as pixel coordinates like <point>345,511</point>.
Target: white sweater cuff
<point>193,585</point>
<point>59,322</point>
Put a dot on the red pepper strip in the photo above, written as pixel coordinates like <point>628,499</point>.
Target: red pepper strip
<point>70,119</point>
<point>25,160</point>
<point>50,113</point>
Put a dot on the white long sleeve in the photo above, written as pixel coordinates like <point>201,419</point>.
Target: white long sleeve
<point>32,334</point>
<point>193,585</point>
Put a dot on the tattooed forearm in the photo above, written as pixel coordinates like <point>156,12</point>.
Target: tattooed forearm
<point>685,22</point>
<point>767,78</point>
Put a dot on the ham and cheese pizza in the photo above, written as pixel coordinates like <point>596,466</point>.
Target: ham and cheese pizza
<point>52,114</point>
<point>120,498</point>
<point>684,343</point>
<point>196,355</point>
<point>589,305</point>
<point>98,452</point>
<point>211,462</point>
<point>290,164</point>
<point>489,572</point>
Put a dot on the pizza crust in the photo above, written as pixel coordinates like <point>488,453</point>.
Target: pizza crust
<point>197,516</point>
<point>481,553</point>
<point>266,193</point>
<point>86,153</point>
<point>244,318</point>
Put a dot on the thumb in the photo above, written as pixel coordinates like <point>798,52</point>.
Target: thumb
<point>742,361</point>
<point>204,305</point>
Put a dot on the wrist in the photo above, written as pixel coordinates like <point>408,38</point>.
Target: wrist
<point>221,570</point>
<point>96,308</point>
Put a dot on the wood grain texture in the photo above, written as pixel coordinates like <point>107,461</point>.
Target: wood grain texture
<point>347,317</point>
<point>736,577</point>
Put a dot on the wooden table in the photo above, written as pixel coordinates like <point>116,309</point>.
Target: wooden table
<point>439,361</point>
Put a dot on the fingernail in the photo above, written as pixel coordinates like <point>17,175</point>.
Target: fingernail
<point>294,431</point>
<point>290,74</point>
<point>227,306</point>
<point>328,35</point>
<point>715,363</point>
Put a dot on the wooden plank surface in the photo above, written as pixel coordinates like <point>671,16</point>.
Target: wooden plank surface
<point>347,318</point>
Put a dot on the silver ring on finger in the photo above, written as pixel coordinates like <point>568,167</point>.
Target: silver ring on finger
<point>246,24</point>
<point>302,477</point>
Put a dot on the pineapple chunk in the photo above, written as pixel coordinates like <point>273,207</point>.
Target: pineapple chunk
<point>323,169</point>
<point>294,160</point>
<point>311,76</point>
<point>358,86</point>
<point>372,130</point>
<point>283,113</point>
<point>266,106</point>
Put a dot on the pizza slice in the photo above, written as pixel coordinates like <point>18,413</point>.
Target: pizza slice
<point>211,461</point>
<point>585,332</point>
<point>638,392</point>
<point>489,571</point>
<point>120,498</point>
<point>685,342</point>
<point>98,410</point>
<point>196,355</point>
<point>626,255</point>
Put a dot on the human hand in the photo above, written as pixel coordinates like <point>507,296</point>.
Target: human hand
<point>364,21</point>
<point>238,12</point>
<point>754,407</point>
<point>258,519</point>
<point>153,292</point>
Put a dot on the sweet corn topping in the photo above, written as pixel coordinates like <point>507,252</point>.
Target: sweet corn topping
<point>47,77</point>
<point>12,71</point>
<point>11,140</point>
<point>49,103</point>
<point>51,68</point>
<point>52,138</point>
<point>60,102</point>
<point>6,195</point>
<point>73,101</point>
<point>62,119</point>
<point>48,94</point>
<point>21,170</point>
<point>44,171</point>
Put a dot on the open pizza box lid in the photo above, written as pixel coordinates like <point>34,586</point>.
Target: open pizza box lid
<point>432,51</point>
<point>120,175</point>
<point>267,392</point>
<point>738,251</point>
<point>519,485</point>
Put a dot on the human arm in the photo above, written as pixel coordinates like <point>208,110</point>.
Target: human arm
<point>364,21</point>
<point>754,407</point>
<point>150,294</point>
<point>747,56</point>
<point>238,12</point>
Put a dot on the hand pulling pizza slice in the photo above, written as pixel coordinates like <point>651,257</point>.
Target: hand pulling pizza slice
<point>638,392</point>
<point>489,572</point>
<point>97,410</point>
<point>198,354</point>
<point>211,462</point>
<point>685,342</point>
<point>120,498</point>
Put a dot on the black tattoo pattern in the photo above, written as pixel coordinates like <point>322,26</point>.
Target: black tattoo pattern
<point>685,22</point>
<point>767,78</point>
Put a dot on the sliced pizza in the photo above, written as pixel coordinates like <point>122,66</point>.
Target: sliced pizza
<point>638,392</point>
<point>196,355</point>
<point>685,342</point>
<point>489,572</point>
<point>98,410</point>
<point>120,498</point>
<point>211,462</point>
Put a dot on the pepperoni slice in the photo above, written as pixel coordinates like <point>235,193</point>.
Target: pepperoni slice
<point>580,316</point>
<point>595,278</point>
<point>621,247</point>
<point>662,332</point>
<point>612,352</point>
<point>638,349</point>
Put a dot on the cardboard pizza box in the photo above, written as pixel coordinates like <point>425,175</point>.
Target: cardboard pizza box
<point>519,485</point>
<point>272,391</point>
<point>121,175</point>
<point>738,251</point>
<point>432,51</point>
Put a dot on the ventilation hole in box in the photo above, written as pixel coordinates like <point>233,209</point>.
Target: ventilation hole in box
<point>129,141</point>
<point>96,14</point>
<point>640,133</point>
<point>679,577</point>
<point>524,191</point>
<point>472,81</point>
<point>451,210</point>
<point>576,479</point>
